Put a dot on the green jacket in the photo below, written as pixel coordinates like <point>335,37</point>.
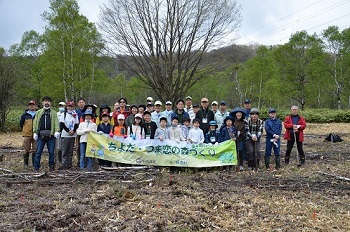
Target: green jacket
<point>55,126</point>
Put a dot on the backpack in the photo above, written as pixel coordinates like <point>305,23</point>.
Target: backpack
<point>333,137</point>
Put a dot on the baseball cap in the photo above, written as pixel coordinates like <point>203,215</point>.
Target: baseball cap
<point>158,103</point>
<point>272,110</point>
<point>121,116</point>
<point>138,116</point>
<point>214,103</point>
<point>32,102</point>
<point>150,99</point>
<point>62,104</point>
<point>189,97</point>
<point>168,103</point>
<point>247,101</point>
<point>223,103</point>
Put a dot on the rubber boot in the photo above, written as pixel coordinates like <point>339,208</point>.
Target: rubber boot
<point>26,159</point>
<point>278,162</point>
<point>33,158</point>
<point>267,162</point>
<point>59,156</point>
<point>286,159</point>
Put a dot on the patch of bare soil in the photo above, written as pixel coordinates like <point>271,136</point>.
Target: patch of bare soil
<point>314,197</point>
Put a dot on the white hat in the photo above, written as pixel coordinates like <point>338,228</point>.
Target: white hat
<point>150,99</point>
<point>168,103</point>
<point>158,103</point>
<point>138,116</point>
<point>189,97</point>
<point>62,104</point>
<point>214,103</point>
<point>121,116</point>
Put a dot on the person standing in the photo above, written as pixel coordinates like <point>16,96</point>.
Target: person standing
<point>273,128</point>
<point>214,107</point>
<point>58,146</point>
<point>168,112</point>
<point>150,126</point>
<point>247,107</point>
<point>69,124</point>
<point>26,124</point>
<point>240,127</point>
<point>188,108</point>
<point>121,110</point>
<point>221,115</point>
<point>254,130</point>
<point>205,115</point>
<point>295,125</point>
<point>45,130</point>
<point>80,111</point>
<point>180,113</point>
<point>157,113</point>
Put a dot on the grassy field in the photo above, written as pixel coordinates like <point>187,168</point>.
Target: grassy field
<point>290,199</point>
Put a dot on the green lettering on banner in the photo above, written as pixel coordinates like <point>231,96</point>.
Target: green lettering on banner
<point>160,153</point>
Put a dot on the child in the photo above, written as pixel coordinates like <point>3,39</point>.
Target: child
<point>104,128</point>
<point>91,108</point>
<point>228,132</point>
<point>119,129</point>
<point>136,130</point>
<point>239,125</point>
<point>150,126</point>
<point>273,128</point>
<point>186,127</point>
<point>84,129</point>
<point>195,135</point>
<point>161,132</point>
<point>212,136</point>
<point>175,132</point>
<point>104,109</point>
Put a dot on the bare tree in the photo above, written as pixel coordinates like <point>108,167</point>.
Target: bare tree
<point>163,41</point>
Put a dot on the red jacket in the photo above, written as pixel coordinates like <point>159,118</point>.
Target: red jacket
<point>288,124</point>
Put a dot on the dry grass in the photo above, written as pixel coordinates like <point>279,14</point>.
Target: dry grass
<point>290,199</point>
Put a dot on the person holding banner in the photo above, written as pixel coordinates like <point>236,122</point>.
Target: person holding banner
<point>150,126</point>
<point>196,135</point>
<point>212,136</point>
<point>120,129</point>
<point>136,130</point>
<point>175,132</point>
<point>161,132</point>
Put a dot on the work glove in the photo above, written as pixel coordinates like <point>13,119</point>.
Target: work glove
<point>56,135</point>
<point>35,136</point>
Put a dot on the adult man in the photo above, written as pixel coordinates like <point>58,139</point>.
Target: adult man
<point>79,110</point>
<point>58,146</point>
<point>157,113</point>
<point>214,107</point>
<point>295,125</point>
<point>150,107</point>
<point>205,115</point>
<point>121,110</point>
<point>115,107</point>
<point>168,112</point>
<point>45,130</point>
<point>247,106</point>
<point>180,113</point>
<point>273,128</point>
<point>188,108</point>
<point>149,100</point>
<point>221,114</point>
<point>26,123</point>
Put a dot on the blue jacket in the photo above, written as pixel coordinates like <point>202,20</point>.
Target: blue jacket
<point>272,127</point>
<point>179,116</point>
<point>225,135</point>
<point>212,135</point>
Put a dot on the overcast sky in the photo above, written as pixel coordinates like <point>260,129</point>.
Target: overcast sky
<point>264,21</point>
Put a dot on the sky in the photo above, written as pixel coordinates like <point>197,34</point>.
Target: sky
<point>264,21</point>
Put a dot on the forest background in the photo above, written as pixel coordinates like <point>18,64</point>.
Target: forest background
<point>73,59</point>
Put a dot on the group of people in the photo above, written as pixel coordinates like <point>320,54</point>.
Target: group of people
<point>184,122</point>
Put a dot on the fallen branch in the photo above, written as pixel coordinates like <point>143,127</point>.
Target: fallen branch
<point>14,173</point>
<point>125,168</point>
<point>335,176</point>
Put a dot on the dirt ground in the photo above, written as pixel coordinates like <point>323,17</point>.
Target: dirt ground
<point>155,199</point>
